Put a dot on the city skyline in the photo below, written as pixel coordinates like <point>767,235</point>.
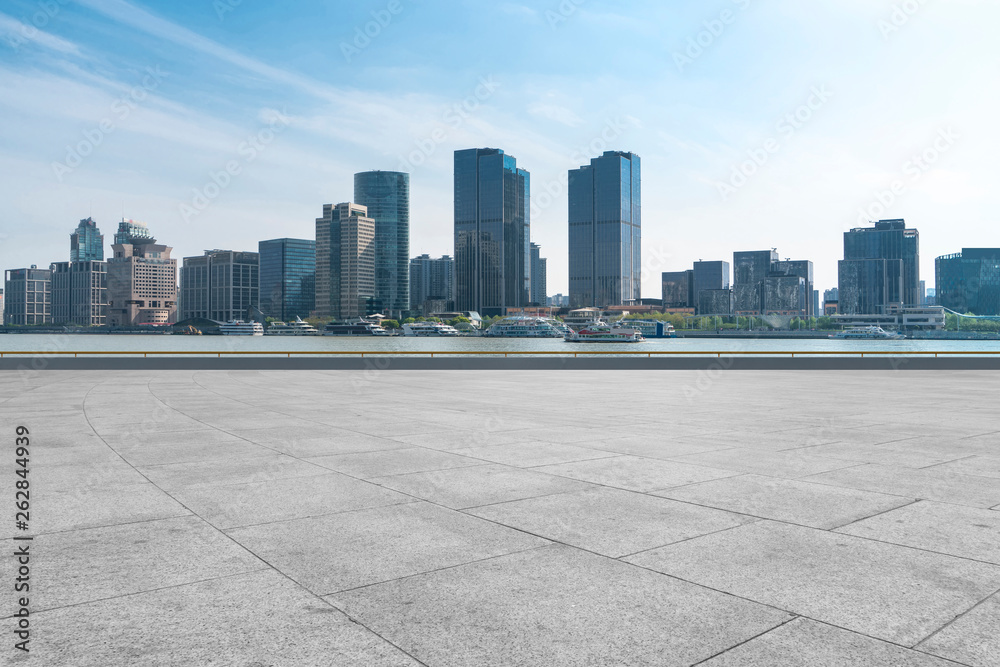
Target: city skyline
<point>298,116</point>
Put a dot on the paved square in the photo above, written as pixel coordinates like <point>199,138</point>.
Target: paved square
<point>509,519</point>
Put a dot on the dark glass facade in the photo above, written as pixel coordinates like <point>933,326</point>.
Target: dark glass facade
<point>539,276</point>
<point>605,231</point>
<point>287,278</point>
<point>880,270</point>
<point>969,281</point>
<point>386,195</point>
<point>492,232</point>
<point>86,244</point>
<point>710,276</point>
<point>750,270</point>
<point>678,289</point>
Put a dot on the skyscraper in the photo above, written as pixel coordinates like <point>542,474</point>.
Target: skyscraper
<point>539,277</point>
<point>386,195</point>
<point>80,293</point>
<point>345,261</point>
<point>220,285</point>
<point>880,270</point>
<point>605,231</point>
<point>432,280</point>
<point>710,276</point>
<point>287,278</point>
<point>27,296</point>
<point>142,279</point>
<point>750,268</point>
<point>86,244</point>
<point>492,232</point>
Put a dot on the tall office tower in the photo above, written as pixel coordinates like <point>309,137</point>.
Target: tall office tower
<point>131,232</point>
<point>27,296</point>
<point>492,232</point>
<point>539,276</point>
<point>386,195</point>
<point>1,307</point>
<point>287,278</point>
<point>969,281</point>
<point>709,276</point>
<point>86,244</point>
<point>605,231</point>
<point>831,295</point>
<point>432,280</point>
<point>816,312</point>
<point>678,289</point>
<point>880,271</point>
<point>749,271</point>
<point>220,285</point>
<point>80,293</point>
<point>345,261</point>
<point>803,269</point>
<point>142,279</point>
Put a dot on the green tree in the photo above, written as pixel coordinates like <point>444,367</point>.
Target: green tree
<point>390,324</point>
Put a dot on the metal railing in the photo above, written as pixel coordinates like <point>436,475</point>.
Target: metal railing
<point>442,353</point>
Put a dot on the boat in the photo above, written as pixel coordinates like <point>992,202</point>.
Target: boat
<point>524,326</point>
<point>359,328</point>
<point>241,328</point>
<point>867,333</point>
<point>605,334</point>
<point>429,329</point>
<point>583,317</point>
<point>653,328</point>
<point>296,328</point>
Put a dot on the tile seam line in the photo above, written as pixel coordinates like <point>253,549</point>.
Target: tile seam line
<point>747,641</point>
<point>954,620</point>
<point>842,486</point>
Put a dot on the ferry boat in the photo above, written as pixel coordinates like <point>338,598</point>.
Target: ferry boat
<point>605,334</point>
<point>583,317</point>
<point>429,329</point>
<point>359,328</point>
<point>241,328</point>
<point>867,333</point>
<point>296,328</point>
<point>523,326</point>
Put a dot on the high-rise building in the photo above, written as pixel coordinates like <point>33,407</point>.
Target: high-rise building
<point>80,293</point>
<point>750,269</point>
<point>802,268</point>
<point>539,277</point>
<point>678,289</point>
<point>287,278</point>
<point>715,302</point>
<point>27,296</point>
<point>605,231</point>
<point>816,312</point>
<point>432,280</point>
<point>142,279</point>
<point>712,275</point>
<point>345,262</point>
<point>492,232</point>
<point>969,281</point>
<point>880,271</point>
<point>767,285</point>
<point>386,195</point>
<point>220,285</point>
<point>1,308</point>
<point>86,244</point>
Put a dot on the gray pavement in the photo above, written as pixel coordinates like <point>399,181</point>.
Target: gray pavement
<point>363,517</point>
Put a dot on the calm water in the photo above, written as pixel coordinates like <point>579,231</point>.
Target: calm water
<point>334,344</point>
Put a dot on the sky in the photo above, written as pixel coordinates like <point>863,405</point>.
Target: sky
<point>760,123</point>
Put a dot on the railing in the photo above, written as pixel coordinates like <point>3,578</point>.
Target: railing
<point>394,353</point>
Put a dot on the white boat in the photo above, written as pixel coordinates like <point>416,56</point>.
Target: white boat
<point>603,333</point>
<point>867,333</point>
<point>296,328</point>
<point>241,328</point>
<point>359,328</point>
<point>523,326</point>
<point>429,329</point>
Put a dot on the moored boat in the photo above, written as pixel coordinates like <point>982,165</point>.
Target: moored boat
<point>241,328</point>
<point>867,333</point>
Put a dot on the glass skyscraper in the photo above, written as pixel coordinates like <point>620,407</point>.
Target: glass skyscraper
<point>492,232</point>
<point>605,231</point>
<point>287,278</point>
<point>386,195</point>
<point>131,232</point>
<point>969,281</point>
<point>86,244</point>
<point>880,270</point>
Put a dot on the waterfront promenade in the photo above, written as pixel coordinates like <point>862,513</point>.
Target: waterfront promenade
<point>507,518</point>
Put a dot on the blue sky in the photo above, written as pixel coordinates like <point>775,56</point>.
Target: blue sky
<point>760,123</point>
